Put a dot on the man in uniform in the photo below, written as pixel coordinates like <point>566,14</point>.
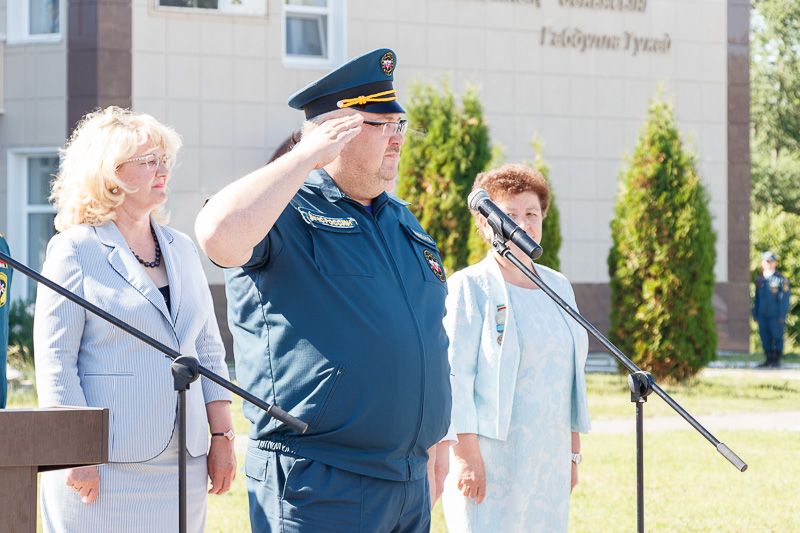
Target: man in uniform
<point>5,302</point>
<point>770,307</point>
<point>335,301</point>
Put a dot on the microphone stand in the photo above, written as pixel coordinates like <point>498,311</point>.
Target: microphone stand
<point>641,383</point>
<point>185,370</point>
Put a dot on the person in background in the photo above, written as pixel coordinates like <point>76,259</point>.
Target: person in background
<point>519,394</point>
<point>114,250</point>
<point>770,307</point>
<point>5,304</point>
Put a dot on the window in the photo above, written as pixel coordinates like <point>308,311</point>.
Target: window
<point>234,7</point>
<point>314,33</point>
<point>30,215</point>
<point>34,21</point>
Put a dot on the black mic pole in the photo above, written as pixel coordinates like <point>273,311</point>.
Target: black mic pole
<point>641,383</point>
<point>185,370</point>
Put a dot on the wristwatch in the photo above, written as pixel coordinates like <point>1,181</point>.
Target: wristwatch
<point>230,434</point>
<point>576,458</point>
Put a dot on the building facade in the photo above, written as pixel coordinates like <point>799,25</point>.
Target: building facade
<point>578,74</point>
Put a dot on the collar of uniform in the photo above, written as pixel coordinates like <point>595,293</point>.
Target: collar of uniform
<point>319,179</point>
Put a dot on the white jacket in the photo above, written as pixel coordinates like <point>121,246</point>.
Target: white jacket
<point>485,370</point>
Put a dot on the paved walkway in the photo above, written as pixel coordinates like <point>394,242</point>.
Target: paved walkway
<point>770,421</point>
<point>761,421</point>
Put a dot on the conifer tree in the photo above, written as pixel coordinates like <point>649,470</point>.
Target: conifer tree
<point>661,263</point>
<point>446,147</point>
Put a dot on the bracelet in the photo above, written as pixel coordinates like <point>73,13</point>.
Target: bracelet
<point>228,434</point>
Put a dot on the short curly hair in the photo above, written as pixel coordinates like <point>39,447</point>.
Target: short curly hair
<point>513,179</point>
<point>86,189</point>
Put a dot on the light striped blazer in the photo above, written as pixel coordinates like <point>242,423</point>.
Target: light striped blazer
<point>82,360</point>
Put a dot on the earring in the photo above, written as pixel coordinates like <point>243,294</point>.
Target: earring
<point>115,190</point>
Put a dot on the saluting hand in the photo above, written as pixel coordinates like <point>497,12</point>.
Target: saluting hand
<point>85,481</point>
<point>324,143</point>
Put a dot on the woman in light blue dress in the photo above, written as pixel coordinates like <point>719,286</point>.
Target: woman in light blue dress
<point>519,395</point>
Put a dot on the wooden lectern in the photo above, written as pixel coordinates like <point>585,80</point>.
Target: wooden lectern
<point>36,440</point>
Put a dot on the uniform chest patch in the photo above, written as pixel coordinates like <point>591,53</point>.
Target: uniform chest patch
<point>436,267</point>
<point>774,285</point>
<point>423,237</point>
<point>331,222</point>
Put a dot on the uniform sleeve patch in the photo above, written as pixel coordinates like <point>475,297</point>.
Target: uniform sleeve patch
<point>435,266</point>
<point>3,288</point>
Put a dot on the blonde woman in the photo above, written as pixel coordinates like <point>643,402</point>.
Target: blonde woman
<point>519,395</point>
<point>113,250</point>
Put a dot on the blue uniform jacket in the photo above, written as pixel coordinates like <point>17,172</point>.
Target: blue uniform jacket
<point>337,318</point>
<point>772,297</point>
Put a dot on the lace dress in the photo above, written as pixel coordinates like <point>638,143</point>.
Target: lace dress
<point>528,475</point>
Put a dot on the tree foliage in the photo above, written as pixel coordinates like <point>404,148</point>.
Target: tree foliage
<point>551,226</point>
<point>775,93</point>
<point>448,145</point>
<point>775,74</point>
<point>661,263</point>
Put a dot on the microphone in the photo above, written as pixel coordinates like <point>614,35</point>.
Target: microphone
<point>502,224</point>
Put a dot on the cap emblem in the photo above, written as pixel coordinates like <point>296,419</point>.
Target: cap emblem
<point>387,63</point>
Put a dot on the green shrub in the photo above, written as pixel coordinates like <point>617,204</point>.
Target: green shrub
<point>661,263</point>
<point>551,226</point>
<point>20,335</point>
<point>774,229</point>
<point>448,145</point>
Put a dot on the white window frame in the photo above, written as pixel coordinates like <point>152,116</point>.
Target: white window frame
<point>18,209</point>
<point>336,44</point>
<point>18,24</point>
<point>248,8</point>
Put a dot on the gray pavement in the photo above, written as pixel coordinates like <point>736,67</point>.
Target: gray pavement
<point>770,421</point>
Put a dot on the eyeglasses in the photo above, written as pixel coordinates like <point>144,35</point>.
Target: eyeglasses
<point>151,161</point>
<point>390,128</point>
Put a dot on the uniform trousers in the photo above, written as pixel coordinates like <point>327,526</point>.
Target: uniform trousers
<point>291,494</point>
<point>771,332</point>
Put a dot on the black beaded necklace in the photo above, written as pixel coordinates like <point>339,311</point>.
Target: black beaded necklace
<point>155,263</point>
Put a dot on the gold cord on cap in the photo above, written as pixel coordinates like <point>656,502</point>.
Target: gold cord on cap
<point>364,100</point>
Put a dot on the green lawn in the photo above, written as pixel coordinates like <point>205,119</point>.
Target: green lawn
<point>731,391</point>
<point>689,486</point>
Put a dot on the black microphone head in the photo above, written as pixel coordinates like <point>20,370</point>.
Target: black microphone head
<point>476,197</point>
